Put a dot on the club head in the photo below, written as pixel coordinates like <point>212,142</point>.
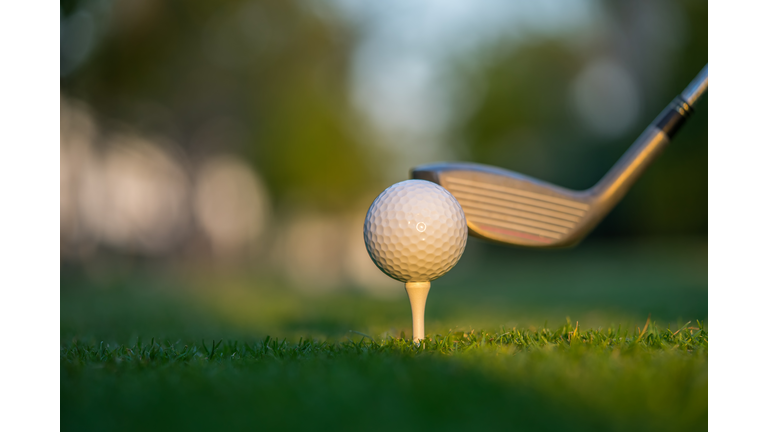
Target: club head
<point>511,208</point>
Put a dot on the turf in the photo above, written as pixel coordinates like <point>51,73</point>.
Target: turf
<point>563,379</point>
<point>202,350</point>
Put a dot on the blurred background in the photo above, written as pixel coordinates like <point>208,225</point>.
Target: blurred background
<point>218,158</point>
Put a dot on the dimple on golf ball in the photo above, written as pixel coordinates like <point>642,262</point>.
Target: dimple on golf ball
<point>415,231</point>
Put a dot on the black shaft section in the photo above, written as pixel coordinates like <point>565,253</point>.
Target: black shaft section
<point>673,116</point>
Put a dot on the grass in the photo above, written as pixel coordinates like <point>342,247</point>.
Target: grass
<point>564,379</point>
<point>192,350</point>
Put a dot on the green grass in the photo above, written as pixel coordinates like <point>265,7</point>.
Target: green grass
<point>564,379</point>
<point>194,349</point>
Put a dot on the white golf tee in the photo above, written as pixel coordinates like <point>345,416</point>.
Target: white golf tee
<point>417,294</point>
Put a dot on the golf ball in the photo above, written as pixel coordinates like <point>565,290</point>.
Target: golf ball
<point>415,231</point>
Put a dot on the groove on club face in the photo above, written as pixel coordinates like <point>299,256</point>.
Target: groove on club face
<point>510,208</point>
<point>507,208</point>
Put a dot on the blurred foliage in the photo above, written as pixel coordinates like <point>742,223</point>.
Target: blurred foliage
<point>270,80</point>
<point>598,284</point>
<point>262,78</point>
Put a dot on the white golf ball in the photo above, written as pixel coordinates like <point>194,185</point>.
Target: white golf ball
<point>415,231</point>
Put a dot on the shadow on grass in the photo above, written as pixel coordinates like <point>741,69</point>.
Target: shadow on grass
<point>358,393</point>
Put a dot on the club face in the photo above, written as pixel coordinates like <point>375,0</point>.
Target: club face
<point>508,207</point>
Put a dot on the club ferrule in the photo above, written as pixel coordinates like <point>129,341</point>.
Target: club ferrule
<point>673,116</point>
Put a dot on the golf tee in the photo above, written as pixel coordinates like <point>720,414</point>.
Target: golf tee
<point>417,294</point>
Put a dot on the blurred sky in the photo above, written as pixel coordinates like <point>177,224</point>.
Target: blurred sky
<point>259,131</point>
<point>402,63</point>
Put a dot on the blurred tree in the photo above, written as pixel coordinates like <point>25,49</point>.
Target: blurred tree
<point>263,78</point>
<point>267,79</point>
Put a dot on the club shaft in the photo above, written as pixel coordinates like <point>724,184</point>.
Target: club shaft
<point>615,184</point>
<point>697,87</point>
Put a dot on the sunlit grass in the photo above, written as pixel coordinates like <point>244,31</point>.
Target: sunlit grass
<point>568,377</point>
<point>565,338</point>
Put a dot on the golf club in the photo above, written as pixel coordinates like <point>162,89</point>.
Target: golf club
<point>511,208</point>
